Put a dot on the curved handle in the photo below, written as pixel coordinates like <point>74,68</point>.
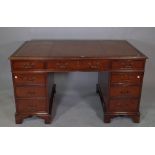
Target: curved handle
<point>94,67</point>
<point>125,78</point>
<point>29,65</point>
<point>124,92</point>
<point>32,108</point>
<point>31,93</point>
<point>127,64</point>
<point>30,79</point>
<point>62,67</point>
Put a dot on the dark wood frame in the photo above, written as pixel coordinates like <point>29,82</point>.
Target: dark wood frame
<point>130,69</point>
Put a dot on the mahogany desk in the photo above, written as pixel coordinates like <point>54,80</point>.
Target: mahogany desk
<point>119,64</point>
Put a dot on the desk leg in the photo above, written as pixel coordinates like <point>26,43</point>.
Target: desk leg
<point>97,88</point>
<point>19,119</point>
<point>48,118</point>
<point>52,98</point>
<point>107,118</point>
<point>136,118</point>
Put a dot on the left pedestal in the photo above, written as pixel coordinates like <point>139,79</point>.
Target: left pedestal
<point>33,91</point>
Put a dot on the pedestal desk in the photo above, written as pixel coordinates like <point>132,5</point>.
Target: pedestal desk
<point>120,68</point>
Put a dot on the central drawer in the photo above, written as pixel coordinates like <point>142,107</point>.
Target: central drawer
<point>30,91</point>
<point>78,65</point>
<point>31,105</point>
<point>125,91</point>
<point>62,65</point>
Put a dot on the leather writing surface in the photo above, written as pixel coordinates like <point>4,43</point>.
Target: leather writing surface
<point>77,49</point>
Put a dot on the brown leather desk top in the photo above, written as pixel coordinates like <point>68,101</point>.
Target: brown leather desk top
<point>73,49</point>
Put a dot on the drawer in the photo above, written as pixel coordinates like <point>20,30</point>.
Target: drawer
<point>128,64</point>
<point>61,65</point>
<point>93,65</point>
<point>29,78</point>
<point>27,65</point>
<point>78,65</point>
<point>125,91</point>
<point>134,78</point>
<point>123,105</point>
<point>30,91</point>
<point>31,105</point>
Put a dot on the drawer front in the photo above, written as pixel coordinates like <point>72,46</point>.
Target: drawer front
<point>78,65</point>
<point>29,78</point>
<point>125,91</point>
<point>31,105</point>
<point>30,91</point>
<point>93,65</point>
<point>27,65</point>
<point>61,65</point>
<point>128,64</point>
<point>134,78</point>
<point>125,105</point>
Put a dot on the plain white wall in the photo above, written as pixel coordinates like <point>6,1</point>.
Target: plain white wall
<point>141,38</point>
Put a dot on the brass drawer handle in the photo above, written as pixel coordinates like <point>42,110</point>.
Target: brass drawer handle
<point>31,79</point>
<point>124,92</point>
<point>31,93</point>
<point>125,77</point>
<point>94,67</point>
<point>29,65</point>
<point>127,64</point>
<point>32,109</point>
<point>118,104</point>
<point>61,63</point>
<point>62,67</point>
